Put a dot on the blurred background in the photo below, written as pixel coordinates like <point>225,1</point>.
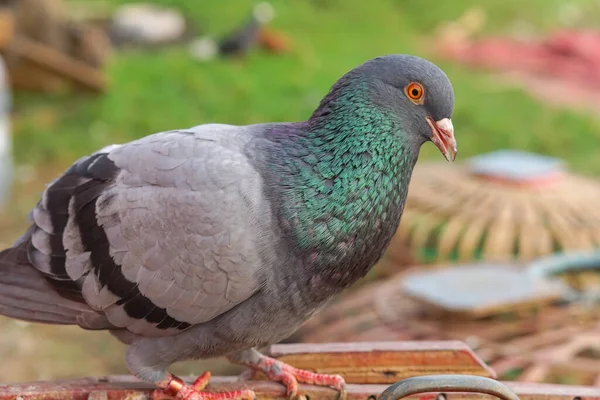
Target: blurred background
<point>84,74</point>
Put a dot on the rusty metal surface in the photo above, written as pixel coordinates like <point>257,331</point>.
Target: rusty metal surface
<point>555,344</point>
<point>127,388</point>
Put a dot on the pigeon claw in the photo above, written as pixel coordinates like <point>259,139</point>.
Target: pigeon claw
<point>175,388</point>
<point>290,377</point>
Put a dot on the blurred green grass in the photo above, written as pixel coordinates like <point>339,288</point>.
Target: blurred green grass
<point>158,90</point>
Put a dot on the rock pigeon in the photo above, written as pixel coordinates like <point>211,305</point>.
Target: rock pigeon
<point>220,239</point>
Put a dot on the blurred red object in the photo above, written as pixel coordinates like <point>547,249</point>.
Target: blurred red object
<point>273,41</point>
<point>569,55</point>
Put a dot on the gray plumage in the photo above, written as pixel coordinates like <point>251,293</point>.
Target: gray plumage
<point>192,243</point>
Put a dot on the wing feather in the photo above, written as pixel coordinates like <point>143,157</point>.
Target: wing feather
<point>153,236</point>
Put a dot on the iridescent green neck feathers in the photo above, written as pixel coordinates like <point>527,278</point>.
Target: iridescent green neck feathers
<point>343,178</point>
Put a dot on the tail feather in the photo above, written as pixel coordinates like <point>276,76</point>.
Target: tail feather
<point>26,294</point>
<point>32,315</point>
<point>44,302</point>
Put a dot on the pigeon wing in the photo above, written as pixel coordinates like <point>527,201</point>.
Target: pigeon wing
<point>157,234</point>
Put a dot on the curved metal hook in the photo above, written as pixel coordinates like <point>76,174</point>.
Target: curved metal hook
<point>569,261</point>
<point>447,383</point>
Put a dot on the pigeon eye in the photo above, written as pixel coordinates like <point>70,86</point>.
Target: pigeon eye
<point>414,91</point>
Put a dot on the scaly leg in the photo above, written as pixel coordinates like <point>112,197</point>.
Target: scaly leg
<point>286,374</point>
<point>174,387</point>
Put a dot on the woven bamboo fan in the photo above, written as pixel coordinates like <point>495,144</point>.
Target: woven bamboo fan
<point>516,320</point>
<point>500,205</point>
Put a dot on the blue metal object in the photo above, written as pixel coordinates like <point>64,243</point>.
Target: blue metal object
<point>481,288</point>
<point>514,165</point>
<point>484,288</point>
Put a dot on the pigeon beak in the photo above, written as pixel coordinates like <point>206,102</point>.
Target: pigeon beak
<point>443,137</point>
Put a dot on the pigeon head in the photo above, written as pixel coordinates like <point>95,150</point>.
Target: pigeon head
<point>415,92</point>
<point>420,94</point>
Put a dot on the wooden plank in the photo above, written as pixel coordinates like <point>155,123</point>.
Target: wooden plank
<point>383,362</point>
<point>128,388</point>
<point>61,65</point>
<point>7,26</point>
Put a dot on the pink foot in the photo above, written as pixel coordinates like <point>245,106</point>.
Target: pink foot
<point>174,387</point>
<point>281,372</point>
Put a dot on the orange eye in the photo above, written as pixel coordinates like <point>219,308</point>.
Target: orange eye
<point>414,91</point>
